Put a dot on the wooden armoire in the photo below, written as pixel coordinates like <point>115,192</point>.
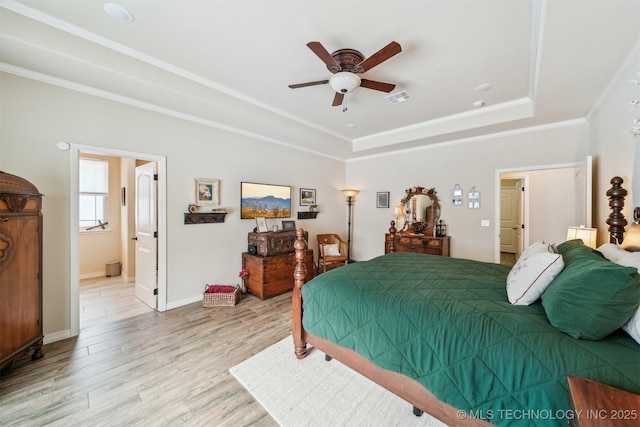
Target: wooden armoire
<point>20,269</point>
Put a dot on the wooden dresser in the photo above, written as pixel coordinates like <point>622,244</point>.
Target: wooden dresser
<point>273,275</point>
<point>419,243</point>
<point>20,269</point>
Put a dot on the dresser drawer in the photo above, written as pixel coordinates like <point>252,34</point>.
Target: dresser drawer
<point>419,244</point>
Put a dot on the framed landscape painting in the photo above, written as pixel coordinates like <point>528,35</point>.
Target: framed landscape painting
<point>264,200</point>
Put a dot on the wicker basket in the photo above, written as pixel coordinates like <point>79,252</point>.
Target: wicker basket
<point>217,299</point>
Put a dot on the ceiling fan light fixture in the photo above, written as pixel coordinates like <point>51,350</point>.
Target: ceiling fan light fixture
<point>344,81</point>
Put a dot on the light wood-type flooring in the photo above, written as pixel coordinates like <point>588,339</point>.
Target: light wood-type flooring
<point>148,368</point>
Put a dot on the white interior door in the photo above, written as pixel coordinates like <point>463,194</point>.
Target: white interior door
<point>146,237</point>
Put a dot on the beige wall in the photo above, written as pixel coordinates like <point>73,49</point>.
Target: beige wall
<point>617,152</point>
<point>35,116</point>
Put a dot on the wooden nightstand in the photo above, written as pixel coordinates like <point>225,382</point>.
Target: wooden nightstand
<point>598,404</point>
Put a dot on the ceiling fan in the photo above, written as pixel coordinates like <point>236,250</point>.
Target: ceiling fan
<point>346,64</point>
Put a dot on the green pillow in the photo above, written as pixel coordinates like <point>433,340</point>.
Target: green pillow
<point>592,296</point>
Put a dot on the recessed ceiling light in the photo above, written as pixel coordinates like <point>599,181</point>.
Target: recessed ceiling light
<point>484,87</point>
<point>352,125</point>
<point>397,98</point>
<point>478,104</point>
<point>118,12</point>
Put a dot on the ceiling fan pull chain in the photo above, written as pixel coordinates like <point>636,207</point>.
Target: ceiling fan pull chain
<point>344,105</point>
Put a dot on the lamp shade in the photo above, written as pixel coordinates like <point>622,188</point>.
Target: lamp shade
<point>631,240</point>
<point>588,235</point>
<point>344,81</point>
<point>350,193</point>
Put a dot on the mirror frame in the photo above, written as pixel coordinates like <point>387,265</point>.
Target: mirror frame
<point>422,191</point>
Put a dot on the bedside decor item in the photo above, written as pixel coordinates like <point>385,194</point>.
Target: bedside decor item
<point>264,200</point>
<point>307,197</point>
<point>220,295</point>
<point>382,199</point>
<point>192,208</point>
<point>351,196</point>
<point>206,191</point>
<point>261,224</point>
<point>587,235</point>
<point>474,198</point>
<point>244,273</point>
<point>456,195</point>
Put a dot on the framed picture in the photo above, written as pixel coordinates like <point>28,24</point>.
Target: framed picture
<point>307,197</point>
<point>261,223</point>
<point>206,191</point>
<point>382,199</point>
<point>288,225</point>
<point>264,200</point>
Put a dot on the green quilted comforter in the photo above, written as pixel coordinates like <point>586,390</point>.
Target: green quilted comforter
<point>447,323</point>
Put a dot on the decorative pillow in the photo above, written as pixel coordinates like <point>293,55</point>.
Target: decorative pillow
<point>612,252</point>
<point>331,250</point>
<point>592,297</point>
<point>531,275</point>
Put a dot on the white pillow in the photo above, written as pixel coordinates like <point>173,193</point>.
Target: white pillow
<point>331,250</point>
<point>532,274</point>
<point>612,252</point>
<point>632,327</point>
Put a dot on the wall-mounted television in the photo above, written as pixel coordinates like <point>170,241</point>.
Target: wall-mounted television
<point>264,200</point>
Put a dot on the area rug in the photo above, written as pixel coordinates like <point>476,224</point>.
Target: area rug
<point>314,392</point>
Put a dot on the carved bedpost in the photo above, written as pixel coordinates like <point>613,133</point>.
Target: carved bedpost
<point>392,237</point>
<point>616,219</point>
<point>299,278</point>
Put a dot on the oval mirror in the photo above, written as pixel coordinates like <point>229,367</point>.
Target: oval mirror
<point>421,205</point>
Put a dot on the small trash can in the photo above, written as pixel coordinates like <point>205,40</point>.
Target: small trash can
<point>113,268</point>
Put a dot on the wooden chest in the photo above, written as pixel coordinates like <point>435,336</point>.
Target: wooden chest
<point>422,244</point>
<point>273,275</point>
<point>273,242</point>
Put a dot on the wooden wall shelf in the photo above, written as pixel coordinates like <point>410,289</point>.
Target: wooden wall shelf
<point>307,215</point>
<point>204,217</point>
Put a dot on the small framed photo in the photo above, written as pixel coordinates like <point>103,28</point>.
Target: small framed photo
<point>288,225</point>
<point>207,192</point>
<point>307,197</point>
<point>261,223</point>
<point>382,199</point>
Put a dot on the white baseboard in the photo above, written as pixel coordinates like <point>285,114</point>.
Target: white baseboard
<point>57,336</point>
<point>180,303</point>
<point>93,275</point>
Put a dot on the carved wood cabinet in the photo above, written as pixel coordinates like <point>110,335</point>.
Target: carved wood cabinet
<point>20,269</point>
<point>422,244</point>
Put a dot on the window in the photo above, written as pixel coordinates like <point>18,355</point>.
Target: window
<point>94,192</point>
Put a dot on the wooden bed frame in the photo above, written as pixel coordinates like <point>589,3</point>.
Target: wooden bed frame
<point>405,387</point>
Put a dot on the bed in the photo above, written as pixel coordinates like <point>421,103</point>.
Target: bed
<point>442,334</point>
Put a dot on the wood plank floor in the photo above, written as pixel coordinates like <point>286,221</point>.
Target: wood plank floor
<point>150,369</point>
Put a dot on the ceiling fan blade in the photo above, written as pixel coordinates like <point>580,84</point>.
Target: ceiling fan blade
<point>379,57</point>
<point>337,100</point>
<point>325,56</point>
<point>382,87</point>
<point>299,85</point>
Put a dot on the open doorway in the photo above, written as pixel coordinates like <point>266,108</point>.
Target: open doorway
<point>553,198</point>
<point>125,196</point>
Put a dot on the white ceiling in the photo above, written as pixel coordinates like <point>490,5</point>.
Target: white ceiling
<point>228,63</point>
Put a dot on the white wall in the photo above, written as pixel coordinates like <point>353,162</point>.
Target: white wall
<point>35,116</point>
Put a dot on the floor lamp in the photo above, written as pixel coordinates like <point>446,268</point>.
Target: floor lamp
<point>351,195</point>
